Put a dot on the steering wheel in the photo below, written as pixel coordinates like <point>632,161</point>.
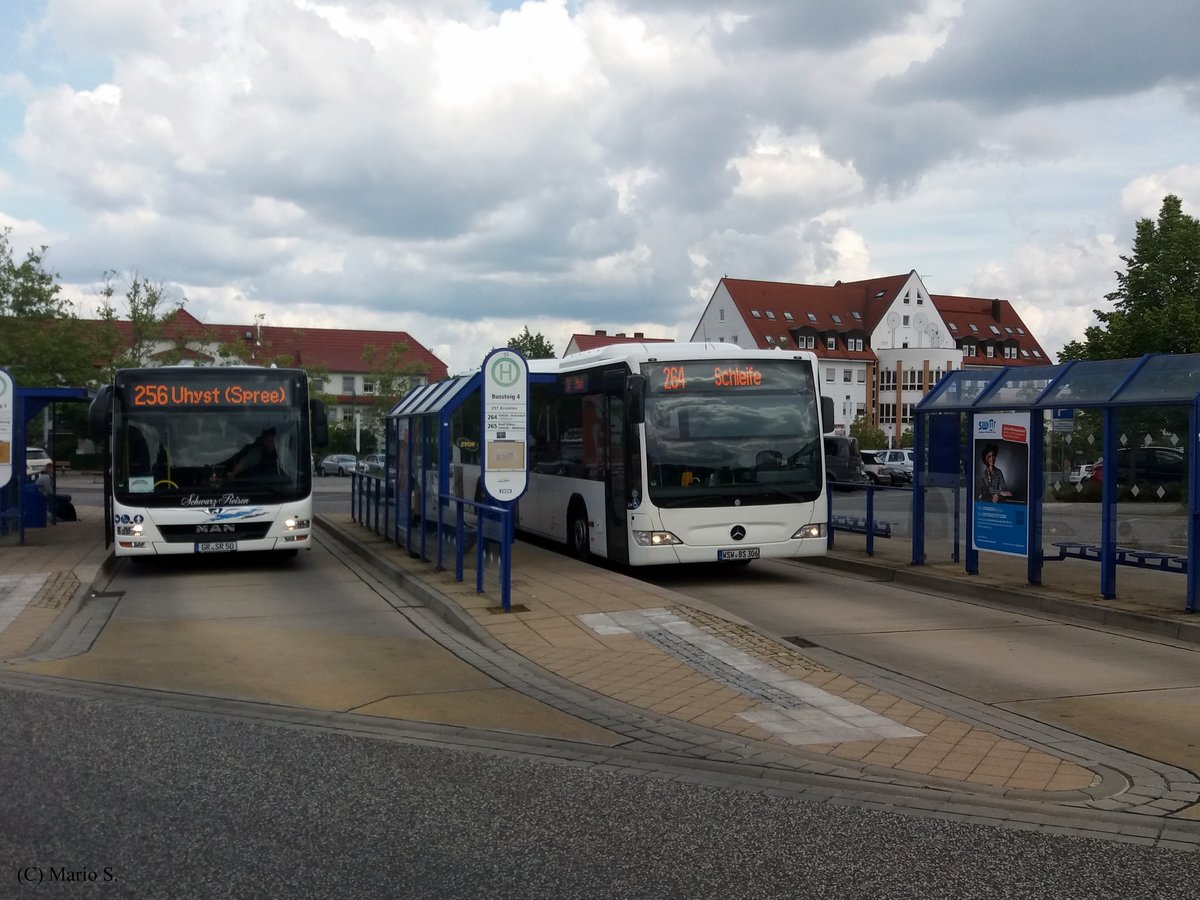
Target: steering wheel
<point>167,481</point>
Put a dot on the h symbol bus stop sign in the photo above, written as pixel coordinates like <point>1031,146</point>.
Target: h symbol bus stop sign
<point>505,424</point>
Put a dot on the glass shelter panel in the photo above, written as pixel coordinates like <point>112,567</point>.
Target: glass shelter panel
<point>1089,382</point>
<point>1019,386</point>
<point>1170,378</point>
<point>959,390</point>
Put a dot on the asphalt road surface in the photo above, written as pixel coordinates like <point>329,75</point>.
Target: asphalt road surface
<point>153,802</point>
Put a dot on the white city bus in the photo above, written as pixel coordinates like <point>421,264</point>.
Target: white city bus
<point>208,459</point>
<point>663,453</point>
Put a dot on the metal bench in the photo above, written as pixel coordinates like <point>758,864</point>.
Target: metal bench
<point>1142,559</point>
<point>858,525</point>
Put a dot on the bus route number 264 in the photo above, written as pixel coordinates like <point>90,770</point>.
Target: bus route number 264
<point>674,378</point>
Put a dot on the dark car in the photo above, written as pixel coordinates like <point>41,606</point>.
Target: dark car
<point>843,462</point>
<point>1153,465</point>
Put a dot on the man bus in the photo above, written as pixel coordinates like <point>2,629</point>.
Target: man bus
<point>208,459</point>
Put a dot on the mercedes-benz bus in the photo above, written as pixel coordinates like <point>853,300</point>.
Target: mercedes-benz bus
<point>663,453</point>
<point>208,459</point>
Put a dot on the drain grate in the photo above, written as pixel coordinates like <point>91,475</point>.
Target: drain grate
<point>800,642</point>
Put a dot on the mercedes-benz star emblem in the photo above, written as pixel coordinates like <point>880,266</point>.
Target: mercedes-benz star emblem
<point>737,532</point>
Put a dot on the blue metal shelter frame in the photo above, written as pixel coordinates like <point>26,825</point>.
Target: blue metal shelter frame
<point>27,403</point>
<point>428,411</point>
<point>1151,381</point>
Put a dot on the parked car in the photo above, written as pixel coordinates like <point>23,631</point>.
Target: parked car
<point>843,462</point>
<point>372,463</point>
<point>878,472</point>
<point>899,459</point>
<point>1080,473</point>
<point>1147,465</point>
<point>337,464</point>
<point>36,460</point>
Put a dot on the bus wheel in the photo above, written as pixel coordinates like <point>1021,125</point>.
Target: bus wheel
<point>577,533</point>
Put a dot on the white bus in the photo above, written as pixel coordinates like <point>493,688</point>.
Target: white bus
<point>664,453</point>
<point>208,459</point>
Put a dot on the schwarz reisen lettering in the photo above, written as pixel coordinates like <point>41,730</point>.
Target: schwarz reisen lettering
<point>737,377</point>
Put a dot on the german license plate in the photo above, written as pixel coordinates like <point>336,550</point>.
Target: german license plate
<point>737,553</point>
<point>216,547</point>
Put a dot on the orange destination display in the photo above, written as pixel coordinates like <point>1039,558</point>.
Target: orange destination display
<point>708,377</point>
<point>161,394</point>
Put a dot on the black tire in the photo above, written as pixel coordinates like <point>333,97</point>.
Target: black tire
<point>341,472</point>
<point>578,542</point>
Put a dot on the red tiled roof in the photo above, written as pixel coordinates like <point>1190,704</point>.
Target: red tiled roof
<point>813,306</point>
<point>333,349</point>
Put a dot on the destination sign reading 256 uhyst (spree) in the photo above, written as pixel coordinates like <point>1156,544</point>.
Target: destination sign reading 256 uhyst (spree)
<point>199,395</point>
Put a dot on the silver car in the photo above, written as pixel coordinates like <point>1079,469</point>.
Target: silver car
<point>371,463</point>
<point>337,464</point>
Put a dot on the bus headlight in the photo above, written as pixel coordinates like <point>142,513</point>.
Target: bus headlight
<point>654,538</point>
<point>129,530</point>
<point>810,531</point>
<point>292,523</point>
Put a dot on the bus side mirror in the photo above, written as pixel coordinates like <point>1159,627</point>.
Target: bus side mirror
<point>827,414</point>
<point>100,414</point>
<point>635,398</point>
<point>320,423</point>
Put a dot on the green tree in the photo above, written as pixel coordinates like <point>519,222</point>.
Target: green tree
<point>868,436</point>
<point>42,342</point>
<point>147,309</point>
<point>531,346</point>
<point>1157,300</point>
<point>393,375</point>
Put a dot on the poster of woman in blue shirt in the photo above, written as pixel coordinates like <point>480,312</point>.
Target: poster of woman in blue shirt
<point>1001,454</point>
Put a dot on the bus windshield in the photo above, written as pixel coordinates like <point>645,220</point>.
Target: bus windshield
<point>724,435</point>
<point>236,437</point>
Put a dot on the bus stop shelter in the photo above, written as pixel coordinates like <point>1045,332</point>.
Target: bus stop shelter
<point>1118,408</point>
<point>18,498</point>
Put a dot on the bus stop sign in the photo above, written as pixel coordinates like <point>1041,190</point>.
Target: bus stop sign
<point>8,400</point>
<point>505,424</point>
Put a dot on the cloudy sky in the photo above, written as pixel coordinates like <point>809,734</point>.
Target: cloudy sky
<point>460,169</point>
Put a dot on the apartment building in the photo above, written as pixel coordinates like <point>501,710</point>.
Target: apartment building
<point>882,343</point>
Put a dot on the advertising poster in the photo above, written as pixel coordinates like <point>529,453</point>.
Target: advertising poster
<point>1000,479</point>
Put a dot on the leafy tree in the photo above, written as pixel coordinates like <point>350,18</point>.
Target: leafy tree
<point>42,342</point>
<point>147,309</point>
<point>532,346</point>
<point>906,438</point>
<point>341,438</point>
<point>1157,300</point>
<point>394,376</point>
<point>868,436</point>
